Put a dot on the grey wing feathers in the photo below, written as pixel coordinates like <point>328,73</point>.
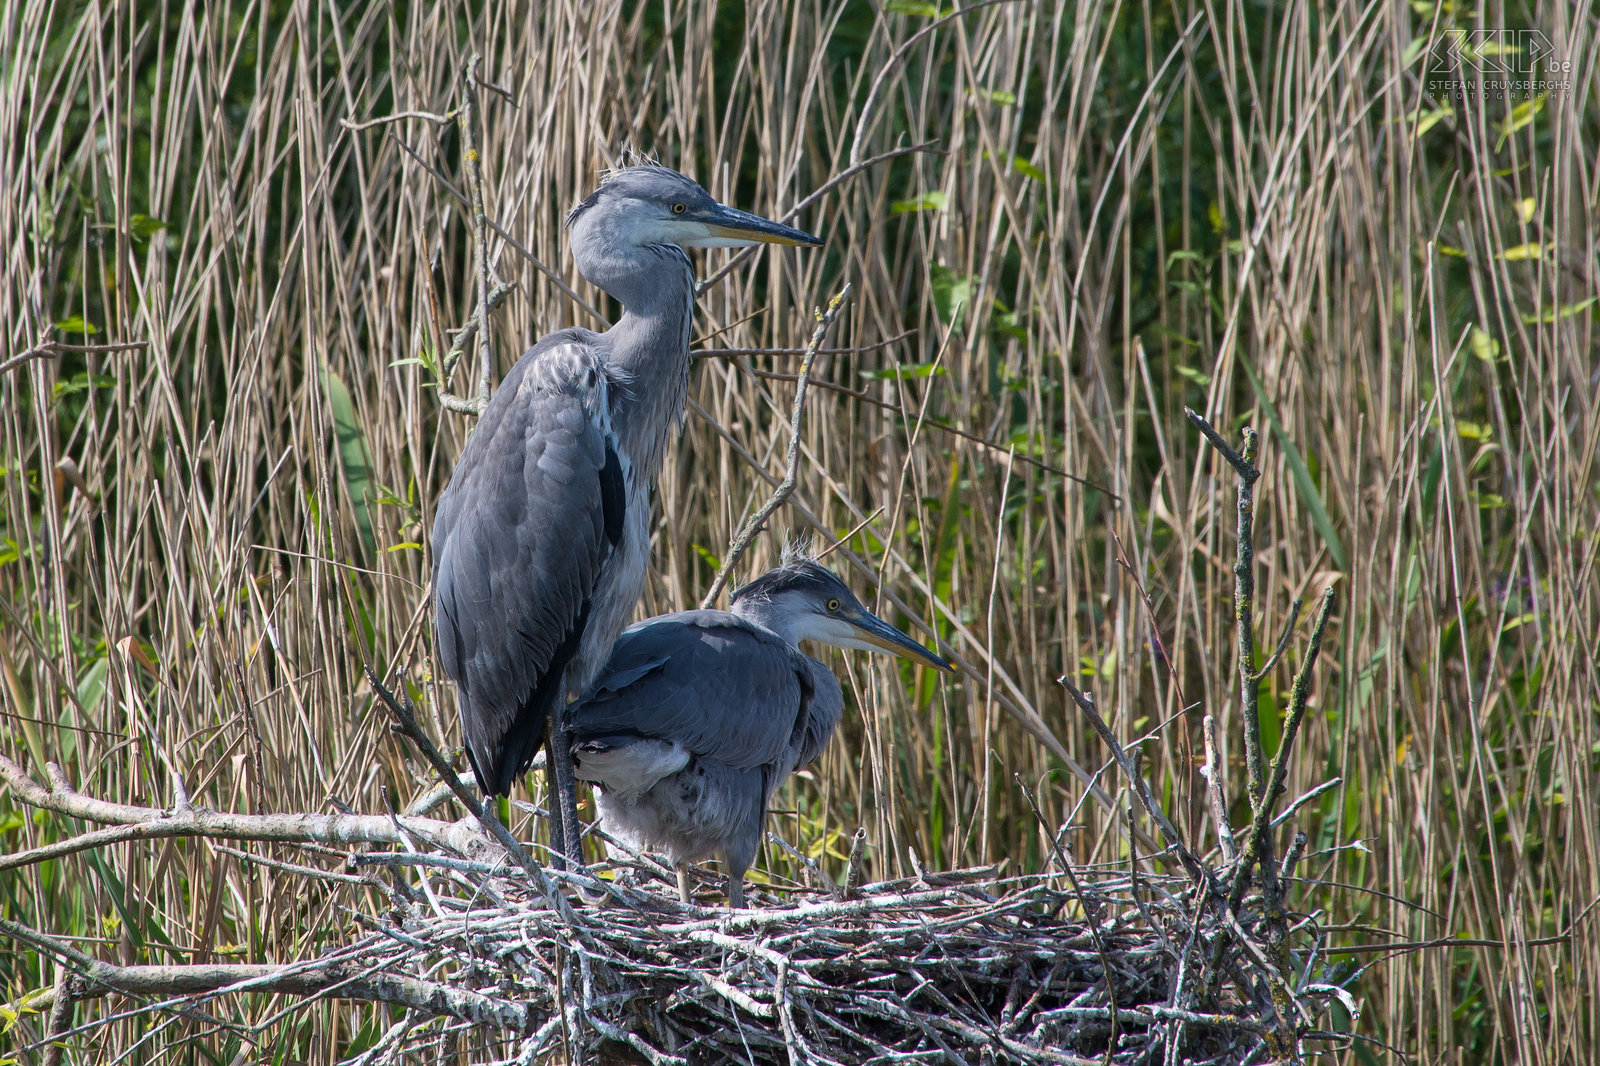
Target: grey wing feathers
<point>712,683</point>
<point>532,512</point>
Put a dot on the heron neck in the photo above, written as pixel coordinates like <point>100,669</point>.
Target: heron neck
<point>768,615</point>
<point>650,348</point>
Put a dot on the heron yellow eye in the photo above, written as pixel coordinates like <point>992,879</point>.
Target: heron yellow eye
<point>679,209</point>
<point>833,605</point>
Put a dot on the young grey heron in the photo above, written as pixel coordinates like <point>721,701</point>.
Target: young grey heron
<point>541,538</point>
<point>701,715</point>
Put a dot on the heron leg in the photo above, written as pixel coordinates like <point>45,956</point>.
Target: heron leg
<point>552,783</point>
<point>683,881</point>
<point>736,890</point>
<point>566,791</point>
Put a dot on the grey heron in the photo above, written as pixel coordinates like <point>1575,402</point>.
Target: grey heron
<point>540,541</point>
<point>700,715</point>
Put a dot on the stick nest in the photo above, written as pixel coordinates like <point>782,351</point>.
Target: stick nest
<point>956,967</point>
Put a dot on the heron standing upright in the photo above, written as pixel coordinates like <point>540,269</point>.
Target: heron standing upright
<point>701,715</point>
<point>541,538</point>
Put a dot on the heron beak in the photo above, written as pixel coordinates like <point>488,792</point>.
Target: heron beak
<point>875,632</point>
<point>728,227</point>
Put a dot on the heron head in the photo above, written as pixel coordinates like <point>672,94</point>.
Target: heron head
<point>645,205</point>
<point>803,601</point>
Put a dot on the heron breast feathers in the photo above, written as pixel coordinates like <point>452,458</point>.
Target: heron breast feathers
<point>628,765</point>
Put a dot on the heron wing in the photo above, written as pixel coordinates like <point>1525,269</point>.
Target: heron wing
<point>532,512</point>
<point>712,683</point>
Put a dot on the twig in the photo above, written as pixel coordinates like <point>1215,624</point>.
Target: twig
<point>825,318</point>
<point>1244,599</point>
<point>730,353</point>
<point>855,868</point>
<point>1091,911</point>
<point>1301,801</point>
<point>60,1016</point>
<point>1283,641</point>
<point>52,348</point>
<point>1258,845</point>
<point>1136,781</point>
<point>503,93</point>
<point>406,725</point>
<point>804,860</point>
<point>96,977</point>
<point>1215,790</point>
<point>469,329</point>
<point>467,122</point>
<point>931,423</point>
<point>399,116</point>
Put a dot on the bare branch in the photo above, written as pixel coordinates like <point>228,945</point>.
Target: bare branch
<point>1305,798</point>
<point>399,116</point>
<point>1215,790</point>
<point>53,348</point>
<point>337,830</point>
<point>406,724</point>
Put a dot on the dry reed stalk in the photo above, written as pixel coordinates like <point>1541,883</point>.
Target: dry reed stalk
<point>1240,206</point>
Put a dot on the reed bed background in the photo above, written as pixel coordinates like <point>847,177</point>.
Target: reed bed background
<point>1098,213</point>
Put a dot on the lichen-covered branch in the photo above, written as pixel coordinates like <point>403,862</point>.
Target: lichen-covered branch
<point>187,820</point>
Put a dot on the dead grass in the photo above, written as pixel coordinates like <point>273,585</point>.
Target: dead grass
<point>1263,216</point>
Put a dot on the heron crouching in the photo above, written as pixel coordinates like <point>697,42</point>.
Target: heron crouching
<point>541,539</point>
<point>700,715</point>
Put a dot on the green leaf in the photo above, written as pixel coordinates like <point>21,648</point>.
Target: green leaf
<point>1027,169</point>
<point>1521,116</point>
<point>1523,251</point>
<point>407,545</point>
<point>82,382</point>
<point>142,227</point>
<point>912,7</point>
<point>1183,256</point>
<point>933,201</point>
<point>77,325</point>
<point>92,685</point>
<point>708,558</point>
<point>1199,377</point>
<point>998,97</point>
<point>1422,120</point>
<point>354,457</point>
<point>904,373</point>
<point>44,218</point>
<point>1004,321</point>
<point>1414,48</point>
<point>951,293</point>
<point>1555,313</point>
<point>1484,347</point>
<point>1303,484</point>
